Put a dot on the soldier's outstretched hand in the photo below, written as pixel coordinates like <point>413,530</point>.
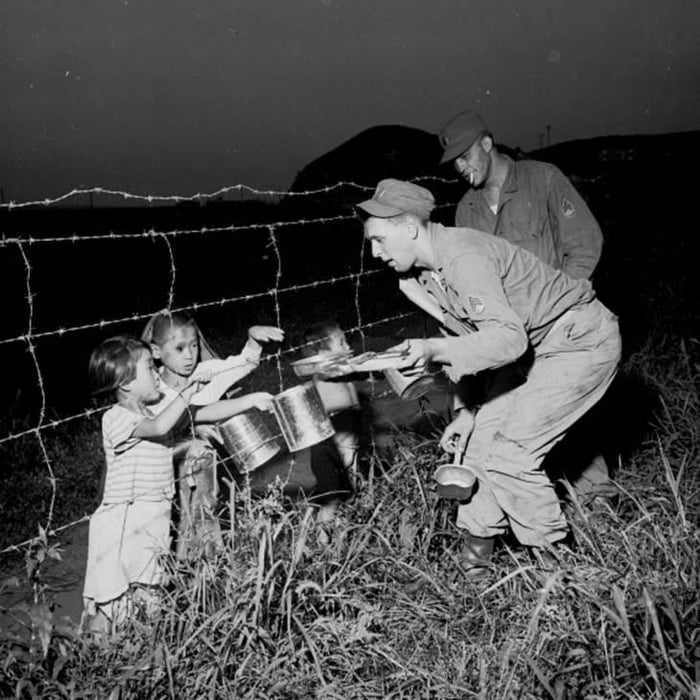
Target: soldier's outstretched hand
<point>417,351</point>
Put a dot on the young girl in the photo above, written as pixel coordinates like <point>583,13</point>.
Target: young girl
<point>183,353</point>
<point>131,526</point>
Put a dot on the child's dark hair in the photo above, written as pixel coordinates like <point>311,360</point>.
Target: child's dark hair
<point>113,364</point>
<point>317,337</point>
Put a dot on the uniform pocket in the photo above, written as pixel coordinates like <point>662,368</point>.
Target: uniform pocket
<point>591,327</point>
<point>522,221</point>
<point>578,333</point>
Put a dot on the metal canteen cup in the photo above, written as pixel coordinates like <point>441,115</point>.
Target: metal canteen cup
<point>455,481</point>
<point>408,386</point>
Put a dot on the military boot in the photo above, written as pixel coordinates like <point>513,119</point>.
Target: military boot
<point>474,555</point>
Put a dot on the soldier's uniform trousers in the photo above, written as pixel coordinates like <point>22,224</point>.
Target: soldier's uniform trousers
<point>574,365</point>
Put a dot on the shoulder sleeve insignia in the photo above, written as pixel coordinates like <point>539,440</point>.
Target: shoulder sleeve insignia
<point>476,306</point>
<point>567,208</point>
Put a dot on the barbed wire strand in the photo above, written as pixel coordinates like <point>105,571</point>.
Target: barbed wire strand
<point>177,199</point>
<point>275,298</point>
<point>173,273</point>
<point>73,238</point>
<point>195,306</point>
<point>42,401</point>
<point>372,388</point>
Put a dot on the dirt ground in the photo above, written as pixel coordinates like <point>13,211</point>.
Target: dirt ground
<point>64,578</point>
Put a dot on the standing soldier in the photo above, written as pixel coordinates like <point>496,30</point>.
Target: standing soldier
<point>533,205</point>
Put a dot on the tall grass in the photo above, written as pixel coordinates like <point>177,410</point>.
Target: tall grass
<point>373,605</point>
<point>29,496</point>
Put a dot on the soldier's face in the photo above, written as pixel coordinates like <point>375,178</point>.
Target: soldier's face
<point>474,164</point>
<point>393,242</point>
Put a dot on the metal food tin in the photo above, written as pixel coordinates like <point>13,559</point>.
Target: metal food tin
<point>302,417</point>
<point>409,387</point>
<point>249,440</point>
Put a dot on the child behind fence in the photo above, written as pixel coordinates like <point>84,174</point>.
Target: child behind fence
<point>131,527</point>
<point>320,473</point>
<point>183,354</point>
<point>341,400</point>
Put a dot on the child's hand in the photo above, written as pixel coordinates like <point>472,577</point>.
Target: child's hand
<point>208,432</point>
<point>261,400</point>
<point>266,334</point>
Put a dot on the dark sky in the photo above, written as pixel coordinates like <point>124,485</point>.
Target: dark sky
<point>176,97</point>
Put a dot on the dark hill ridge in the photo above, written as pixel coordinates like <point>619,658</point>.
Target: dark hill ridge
<point>605,154</point>
<point>378,152</point>
<point>633,181</point>
<point>397,151</point>
<point>407,153</point>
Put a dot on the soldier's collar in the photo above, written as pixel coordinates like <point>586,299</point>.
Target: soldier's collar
<point>436,231</point>
<point>511,182</point>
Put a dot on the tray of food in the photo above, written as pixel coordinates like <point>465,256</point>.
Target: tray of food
<point>377,361</point>
<point>329,365</point>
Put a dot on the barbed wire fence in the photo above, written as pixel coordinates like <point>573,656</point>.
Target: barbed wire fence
<point>44,425</point>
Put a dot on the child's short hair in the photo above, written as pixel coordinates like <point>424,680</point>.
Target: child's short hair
<point>162,324</point>
<point>113,364</point>
<point>317,337</point>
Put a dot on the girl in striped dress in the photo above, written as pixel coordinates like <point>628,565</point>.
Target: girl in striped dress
<point>130,530</point>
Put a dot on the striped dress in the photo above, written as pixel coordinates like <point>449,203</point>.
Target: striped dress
<point>131,527</point>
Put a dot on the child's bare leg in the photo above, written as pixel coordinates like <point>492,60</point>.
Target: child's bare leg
<point>183,486</point>
<point>96,620</point>
<point>206,530</point>
<point>99,625</point>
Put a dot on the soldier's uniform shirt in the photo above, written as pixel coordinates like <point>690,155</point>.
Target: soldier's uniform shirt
<point>482,282</point>
<point>539,210</point>
<point>515,302</point>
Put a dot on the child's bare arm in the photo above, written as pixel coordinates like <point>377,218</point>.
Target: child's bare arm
<point>266,334</point>
<point>257,335</point>
<point>159,426</point>
<point>220,410</point>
